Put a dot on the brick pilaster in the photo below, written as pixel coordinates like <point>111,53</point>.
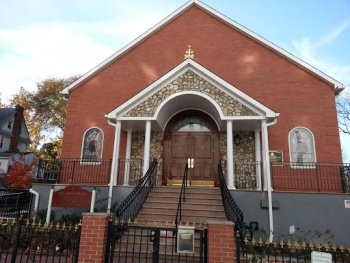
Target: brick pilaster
<point>221,241</point>
<point>93,238</point>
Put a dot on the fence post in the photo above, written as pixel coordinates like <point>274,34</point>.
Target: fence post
<point>221,241</point>
<point>93,238</point>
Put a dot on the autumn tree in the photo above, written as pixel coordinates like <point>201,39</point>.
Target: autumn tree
<point>34,122</point>
<point>45,111</point>
<point>19,175</point>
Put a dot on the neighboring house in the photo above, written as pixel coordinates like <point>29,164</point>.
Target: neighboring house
<point>14,136</point>
<point>201,89</point>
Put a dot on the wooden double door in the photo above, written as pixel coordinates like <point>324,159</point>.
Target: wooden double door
<point>199,150</point>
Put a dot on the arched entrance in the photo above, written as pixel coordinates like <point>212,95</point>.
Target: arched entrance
<point>191,137</point>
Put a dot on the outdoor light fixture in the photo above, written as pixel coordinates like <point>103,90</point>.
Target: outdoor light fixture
<point>237,139</point>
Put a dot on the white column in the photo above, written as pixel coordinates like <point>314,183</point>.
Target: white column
<point>147,150</point>
<point>267,183</point>
<point>115,164</point>
<point>127,158</point>
<point>258,159</point>
<point>93,200</point>
<point>49,206</point>
<point>265,154</point>
<point>230,171</point>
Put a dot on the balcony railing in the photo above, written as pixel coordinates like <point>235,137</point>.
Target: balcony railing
<point>74,171</point>
<point>299,177</point>
<point>312,177</point>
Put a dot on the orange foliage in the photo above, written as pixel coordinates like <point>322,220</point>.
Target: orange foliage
<point>20,173</point>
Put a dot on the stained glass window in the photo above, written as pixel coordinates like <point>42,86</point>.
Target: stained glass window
<point>192,124</point>
<point>92,146</point>
<point>302,146</point>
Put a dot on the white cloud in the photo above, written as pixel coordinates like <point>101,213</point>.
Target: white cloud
<point>35,53</point>
<point>311,53</point>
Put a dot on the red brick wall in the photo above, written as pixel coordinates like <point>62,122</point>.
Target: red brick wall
<point>300,98</point>
<point>221,241</point>
<point>93,238</point>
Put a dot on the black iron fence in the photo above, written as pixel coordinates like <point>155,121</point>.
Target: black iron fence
<point>28,241</point>
<point>145,243</point>
<point>232,211</point>
<point>317,177</point>
<point>287,252</point>
<point>298,177</point>
<point>130,171</point>
<point>15,203</point>
<point>72,171</point>
<point>182,197</point>
<point>134,201</point>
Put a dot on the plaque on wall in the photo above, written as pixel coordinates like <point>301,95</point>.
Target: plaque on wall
<point>276,157</point>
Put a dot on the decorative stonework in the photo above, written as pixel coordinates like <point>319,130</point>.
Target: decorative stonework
<point>244,159</point>
<point>137,149</point>
<point>189,81</point>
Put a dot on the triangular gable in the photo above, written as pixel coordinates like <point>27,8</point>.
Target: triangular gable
<point>215,91</point>
<point>336,84</point>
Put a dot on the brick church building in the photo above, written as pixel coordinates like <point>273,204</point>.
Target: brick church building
<point>199,88</point>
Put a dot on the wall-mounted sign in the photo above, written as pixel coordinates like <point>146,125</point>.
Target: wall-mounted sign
<point>276,157</point>
<point>321,257</point>
<point>347,203</point>
<point>72,196</point>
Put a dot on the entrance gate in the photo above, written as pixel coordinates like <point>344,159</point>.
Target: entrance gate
<point>135,243</point>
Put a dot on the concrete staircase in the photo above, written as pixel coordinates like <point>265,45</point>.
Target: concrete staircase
<point>202,204</point>
<point>159,211</point>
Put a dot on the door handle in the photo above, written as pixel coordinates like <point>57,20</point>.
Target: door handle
<point>190,163</point>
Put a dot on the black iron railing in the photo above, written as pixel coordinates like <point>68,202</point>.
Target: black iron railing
<point>232,211</point>
<point>130,170</point>
<point>286,251</point>
<point>139,243</point>
<point>15,203</point>
<point>130,207</point>
<point>28,241</point>
<point>182,197</point>
<point>297,177</point>
<point>317,177</point>
<point>72,171</point>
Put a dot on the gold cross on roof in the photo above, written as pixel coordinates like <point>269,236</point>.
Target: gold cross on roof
<point>189,53</point>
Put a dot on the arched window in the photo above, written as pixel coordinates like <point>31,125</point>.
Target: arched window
<point>302,146</point>
<point>92,145</point>
<point>191,124</point>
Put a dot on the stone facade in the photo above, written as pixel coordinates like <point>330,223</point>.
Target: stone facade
<point>244,159</point>
<point>189,81</point>
<point>137,151</point>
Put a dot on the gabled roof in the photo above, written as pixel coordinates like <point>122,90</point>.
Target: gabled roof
<point>6,114</point>
<point>338,86</point>
<point>189,100</point>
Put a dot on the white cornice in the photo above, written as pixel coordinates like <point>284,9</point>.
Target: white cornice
<point>190,64</point>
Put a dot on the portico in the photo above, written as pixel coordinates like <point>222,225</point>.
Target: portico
<point>215,106</point>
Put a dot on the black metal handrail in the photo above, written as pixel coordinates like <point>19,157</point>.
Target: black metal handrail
<point>232,211</point>
<point>130,207</point>
<point>182,197</point>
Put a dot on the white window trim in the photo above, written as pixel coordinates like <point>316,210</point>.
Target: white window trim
<point>82,148</point>
<point>309,164</point>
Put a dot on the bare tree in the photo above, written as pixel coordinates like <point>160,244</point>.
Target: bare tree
<point>343,110</point>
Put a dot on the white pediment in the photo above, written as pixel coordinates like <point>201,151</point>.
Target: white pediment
<point>189,86</point>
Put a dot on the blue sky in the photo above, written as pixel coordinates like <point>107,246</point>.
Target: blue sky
<point>61,38</point>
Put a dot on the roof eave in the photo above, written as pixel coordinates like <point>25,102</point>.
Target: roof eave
<point>338,87</point>
<point>126,48</point>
